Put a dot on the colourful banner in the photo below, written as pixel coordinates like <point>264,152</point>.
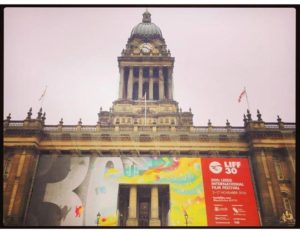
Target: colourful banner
<point>85,190</point>
<point>229,193</point>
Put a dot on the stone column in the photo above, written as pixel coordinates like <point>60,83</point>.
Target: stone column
<point>140,82</point>
<point>170,77</point>
<point>292,174</point>
<point>130,84</point>
<point>275,184</point>
<point>154,220</point>
<point>264,187</point>
<point>19,185</point>
<point>291,166</point>
<point>132,220</point>
<point>121,82</point>
<point>151,83</point>
<point>161,84</point>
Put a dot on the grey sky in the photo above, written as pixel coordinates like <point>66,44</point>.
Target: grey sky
<point>217,52</point>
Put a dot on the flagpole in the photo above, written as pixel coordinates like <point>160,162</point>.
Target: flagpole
<point>42,102</point>
<point>145,107</point>
<point>43,96</point>
<point>247,99</point>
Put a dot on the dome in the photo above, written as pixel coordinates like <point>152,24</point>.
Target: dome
<point>146,29</point>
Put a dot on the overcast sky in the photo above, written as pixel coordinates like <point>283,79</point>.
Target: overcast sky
<point>217,52</point>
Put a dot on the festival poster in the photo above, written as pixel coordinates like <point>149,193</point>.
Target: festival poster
<point>229,193</point>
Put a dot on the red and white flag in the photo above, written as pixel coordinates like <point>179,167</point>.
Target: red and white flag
<point>241,95</point>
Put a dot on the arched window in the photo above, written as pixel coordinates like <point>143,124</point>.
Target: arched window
<point>109,165</point>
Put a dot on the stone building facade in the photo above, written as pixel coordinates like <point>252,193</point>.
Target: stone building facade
<point>143,163</point>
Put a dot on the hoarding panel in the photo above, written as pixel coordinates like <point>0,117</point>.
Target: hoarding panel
<point>229,193</point>
<point>72,190</point>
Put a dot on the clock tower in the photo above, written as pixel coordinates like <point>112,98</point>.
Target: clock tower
<point>146,71</point>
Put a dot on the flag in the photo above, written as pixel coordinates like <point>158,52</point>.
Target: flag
<point>43,93</point>
<point>241,95</point>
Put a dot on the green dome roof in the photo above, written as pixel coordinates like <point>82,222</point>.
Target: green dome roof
<point>146,29</point>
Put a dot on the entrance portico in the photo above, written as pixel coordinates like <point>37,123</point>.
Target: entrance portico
<point>147,205</point>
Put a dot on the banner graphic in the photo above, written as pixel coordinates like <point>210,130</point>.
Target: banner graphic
<point>229,193</point>
<point>85,191</point>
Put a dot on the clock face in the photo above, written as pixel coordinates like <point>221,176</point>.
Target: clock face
<point>146,48</point>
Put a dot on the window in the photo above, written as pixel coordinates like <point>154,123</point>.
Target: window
<point>126,74</point>
<point>6,167</point>
<point>278,169</point>
<point>135,91</point>
<point>287,204</point>
<point>136,72</point>
<point>146,72</point>
<point>109,165</point>
<point>105,137</point>
<point>155,91</point>
<point>155,72</point>
<point>166,82</point>
<point>146,89</point>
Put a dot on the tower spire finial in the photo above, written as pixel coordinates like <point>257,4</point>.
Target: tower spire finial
<point>146,16</point>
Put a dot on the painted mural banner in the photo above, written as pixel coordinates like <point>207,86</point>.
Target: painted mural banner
<point>183,175</point>
<point>229,193</point>
<point>84,191</point>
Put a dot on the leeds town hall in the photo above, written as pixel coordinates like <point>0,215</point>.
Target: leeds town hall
<point>144,163</point>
